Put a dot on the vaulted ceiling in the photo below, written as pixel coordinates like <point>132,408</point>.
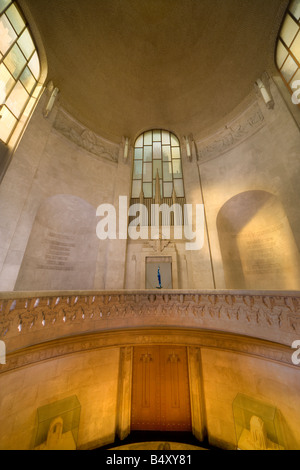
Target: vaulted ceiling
<point>124,66</point>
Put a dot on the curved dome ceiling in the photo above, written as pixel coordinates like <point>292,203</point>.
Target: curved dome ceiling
<point>124,66</point>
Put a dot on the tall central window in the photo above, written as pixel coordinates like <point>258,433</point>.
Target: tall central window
<point>157,163</point>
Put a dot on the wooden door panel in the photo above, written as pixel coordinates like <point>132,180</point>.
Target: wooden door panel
<point>145,397</point>
<point>160,392</point>
<point>175,401</point>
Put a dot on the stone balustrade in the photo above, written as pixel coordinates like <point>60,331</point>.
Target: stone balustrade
<point>28,319</point>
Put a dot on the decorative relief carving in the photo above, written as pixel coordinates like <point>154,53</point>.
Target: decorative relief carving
<point>29,321</point>
<point>229,137</point>
<point>85,138</point>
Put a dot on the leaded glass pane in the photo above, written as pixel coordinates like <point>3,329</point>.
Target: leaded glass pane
<point>148,138</point>
<point>175,152</point>
<point>168,174</point>
<point>165,138</point>
<point>147,175</point>
<point>157,151</point>
<point>17,99</point>
<point>289,68</point>
<point>138,154</point>
<point>174,141</point>
<point>157,168</point>
<point>138,170</point>
<point>281,54</point>
<point>7,34</point>
<point>35,66</point>
<point>15,18</point>
<point>140,141</point>
<point>28,80</point>
<point>15,61</point>
<point>295,9</point>
<point>289,30</point>
<point>6,83</point>
<point>18,77</point>
<point>295,48</point>
<point>166,150</point>
<point>296,77</point>
<point>177,171</point>
<point>26,44</point>
<point>148,154</point>
<point>8,122</point>
<point>4,4</point>
<point>147,188</point>
<point>156,136</point>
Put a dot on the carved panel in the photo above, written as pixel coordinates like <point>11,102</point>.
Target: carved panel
<point>160,397</point>
<point>34,320</point>
<point>226,139</point>
<point>85,138</point>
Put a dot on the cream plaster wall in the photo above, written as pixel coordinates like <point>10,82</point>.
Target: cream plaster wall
<point>47,164</point>
<point>226,374</point>
<point>95,377</point>
<point>92,376</point>
<point>266,161</point>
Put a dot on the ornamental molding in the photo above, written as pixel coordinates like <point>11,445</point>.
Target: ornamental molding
<point>28,321</point>
<point>234,133</point>
<point>125,340</point>
<point>85,138</point>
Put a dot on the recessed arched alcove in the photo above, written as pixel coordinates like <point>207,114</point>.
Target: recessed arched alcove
<point>257,244</point>
<point>62,247</point>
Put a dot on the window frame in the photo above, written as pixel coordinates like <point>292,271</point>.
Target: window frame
<point>34,92</point>
<point>167,142</point>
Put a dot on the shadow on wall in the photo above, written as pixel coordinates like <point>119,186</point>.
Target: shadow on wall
<point>62,250</point>
<point>257,244</point>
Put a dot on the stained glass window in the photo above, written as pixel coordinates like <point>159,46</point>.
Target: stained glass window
<point>20,72</point>
<point>157,155</point>
<point>288,47</point>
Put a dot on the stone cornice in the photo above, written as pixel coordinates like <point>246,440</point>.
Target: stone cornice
<point>220,341</point>
<point>30,319</point>
<point>234,133</point>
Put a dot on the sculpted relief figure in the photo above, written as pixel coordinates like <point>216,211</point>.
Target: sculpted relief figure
<point>256,438</point>
<point>56,439</point>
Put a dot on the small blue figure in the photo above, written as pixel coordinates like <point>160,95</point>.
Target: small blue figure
<point>159,278</point>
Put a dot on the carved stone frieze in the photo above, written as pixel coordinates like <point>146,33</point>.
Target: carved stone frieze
<point>232,135</point>
<point>85,138</point>
<point>35,320</point>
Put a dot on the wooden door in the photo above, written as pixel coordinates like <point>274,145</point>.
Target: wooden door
<point>160,391</point>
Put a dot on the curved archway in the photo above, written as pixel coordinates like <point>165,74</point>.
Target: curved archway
<point>257,244</point>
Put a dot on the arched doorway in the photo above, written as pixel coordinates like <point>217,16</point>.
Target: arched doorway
<point>257,244</point>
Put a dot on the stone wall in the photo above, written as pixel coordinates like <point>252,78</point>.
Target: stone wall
<point>57,157</point>
<point>258,151</point>
<point>98,372</point>
<point>92,377</point>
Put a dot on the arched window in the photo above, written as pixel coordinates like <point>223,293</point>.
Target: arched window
<point>288,47</point>
<point>20,72</point>
<point>157,163</point>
